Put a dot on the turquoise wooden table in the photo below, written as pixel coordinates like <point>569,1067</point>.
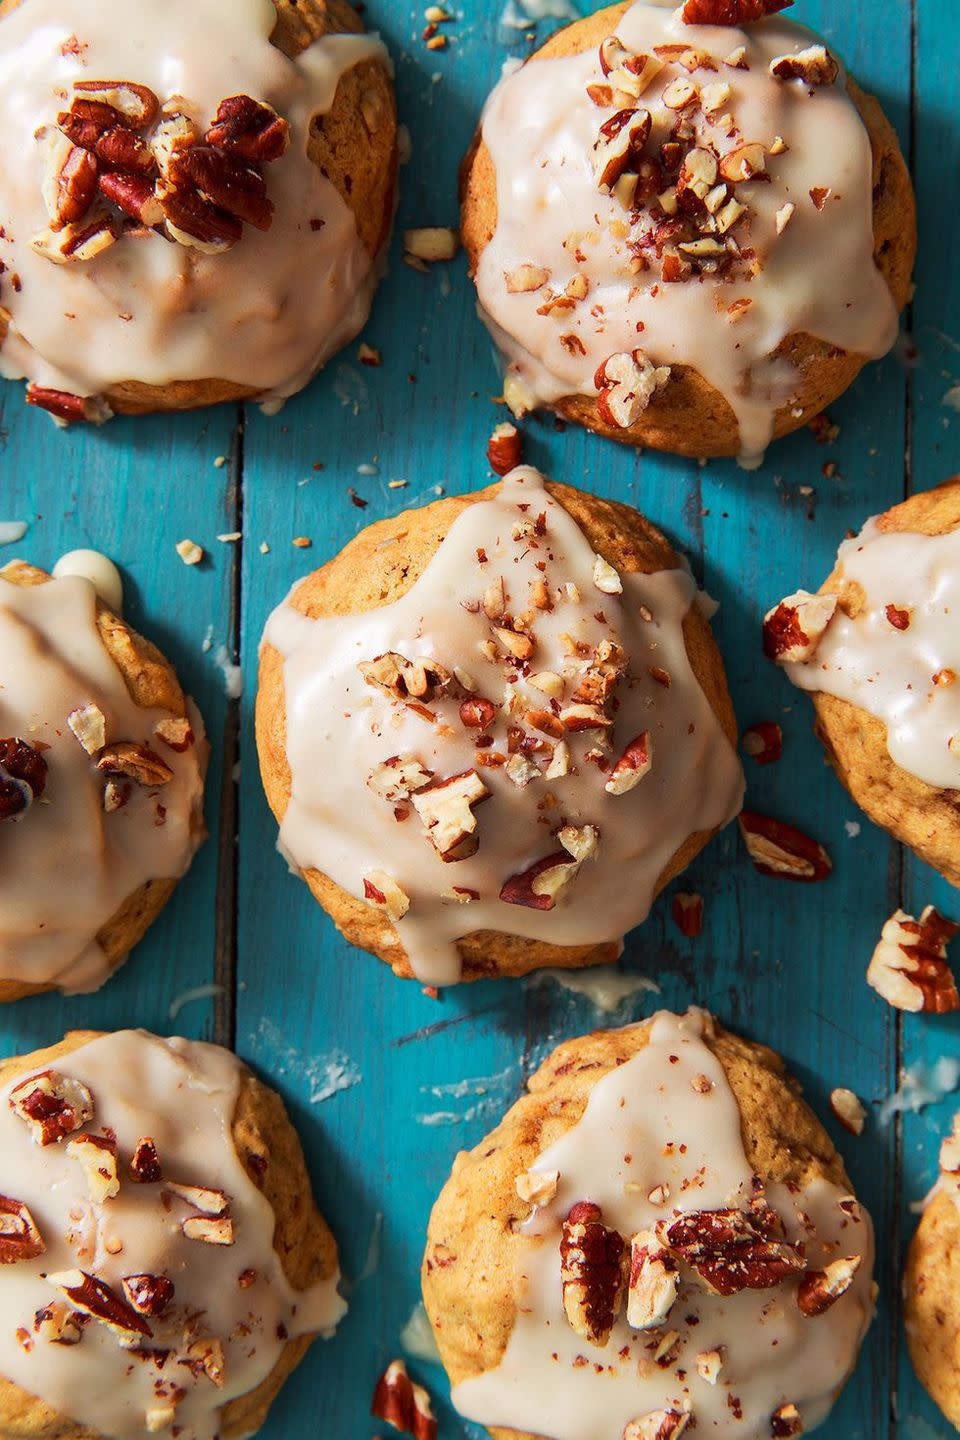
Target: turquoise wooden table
<point>385,1083</point>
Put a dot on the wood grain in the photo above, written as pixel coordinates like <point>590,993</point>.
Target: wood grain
<point>421,1078</point>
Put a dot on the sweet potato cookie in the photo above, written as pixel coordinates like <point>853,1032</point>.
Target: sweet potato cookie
<point>208,1270</point>
<point>879,650</point>
<point>218,244</point>
<point>932,1286</point>
<point>493,729</point>
<point>659,1235</point>
<point>612,200</point>
<point>101,784</point>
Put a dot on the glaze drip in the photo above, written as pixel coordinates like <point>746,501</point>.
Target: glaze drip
<point>579,270</point>
<point>661,1136</point>
<point>578,743</point>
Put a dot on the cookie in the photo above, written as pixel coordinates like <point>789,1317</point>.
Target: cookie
<point>492,729</point>
<point>102,760</point>
<point>219,243</point>
<point>658,1237</point>
<point>164,1267</point>
<point>878,650</point>
<point>932,1285</point>
<point>687,236</point>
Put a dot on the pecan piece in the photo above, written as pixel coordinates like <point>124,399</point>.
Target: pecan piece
<point>619,146</point>
<point>249,128</point>
<point>730,12</point>
<point>654,1282</point>
<point>446,809</point>
<point>541,885</point>
<point>120,149</point>
<point>194,222</point>
<point>137,762</point>
<point>848,1109</point>
<point>402,1404</point>
<point>593,1261</point>
<point>814,66</point>
<point>422,679</point>
<point>226,181</point>
<point>97,1155</point>
<point>86,121</point>
<point>66,407</point>
<point>781,850</point>
<point>634,763</point>
<point>148,1294</point>
<point>687,911</point>
<point>53,1105</point>
<point>785,1421</point>
<point>819,1289</point>
<point>657,1425</point>
<point>764,742</point>
<point>909,967</point>
<point>20,1239</point>
<point>626,383</point>
<point>383,892</point>
<point>23,777</point>
<point>504,448</point>
<point>145,1163</point>
<point>730,1250</point>
<point>136,105</point>
<point>133,195</point>
<point>793,629</point>
<point>94,1297</point>
<point>71,186</point>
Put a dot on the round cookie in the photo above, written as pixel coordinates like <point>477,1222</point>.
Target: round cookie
<point>897,594</point>
<point>797,300</point>
<point>355,777</point>
<point>931,1284</point>
<point>172,1172</point>
<point>707,1176</point>
<point>293,125</point>
<point>102,760</point>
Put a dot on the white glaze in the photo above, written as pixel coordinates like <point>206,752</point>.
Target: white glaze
<point>67,865</point>
<point>266,313</point>
<point>889,672</point>
<point>338,729</point>
<point>773,1354</point>
<point>99,569</point>
<point>183,1095</point>
<point>818,276</point>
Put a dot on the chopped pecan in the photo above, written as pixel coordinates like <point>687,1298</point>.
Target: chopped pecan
<point>86,121</point>
<point>848,1109</point>
<point>145,1163</point>
<point>54,1105</point>
<point>58,1324</point>
<point>97,1155</point>
<point>593,1261</point>
<point>137,762</point>
<point>764,742</point>
<point>226,181</point>
<point>423,679</point>
<point>71,185</point>
<point>537,1187</point>
<point>687,911</point>
<point>504,448</point>
<point>120,149</point>
<point>249,128</point>
<point>657,1425</point>
<point>134,196</point>
<point>66,407</point>
<point>654,1282</point>
<point>626,383</point>
<point>634,763</point>
<point>382,892</point>
<point>136,105</point>
<point>148,1294</point>
<point>819,1289</point>
<point>909,966</point>
<point>785,1421</point>
<point>730,12</point>
<point>793,629</point>
<point>193,221</point>
<point>540,886</point>
<point>619,146</point>
<point>207,1358</point>
<point>402,1404</point>
<point>781,850</point>
<point>201,1197</point>
<point>814,66</point>
<point>20,1239</point>
<point>94,1297</point>
<point>446,809</point>
<point>23,776</point>
<point>730,1250</point>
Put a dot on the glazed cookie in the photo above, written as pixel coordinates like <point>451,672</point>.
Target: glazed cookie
<point>659,1237</point>
<point>493,729</point>
<point>205,224</point>
<point>932,1286</point>
<point>879,649</point>
<point>163,1267</point>
<point>635,273</point>
<point>102,761</point>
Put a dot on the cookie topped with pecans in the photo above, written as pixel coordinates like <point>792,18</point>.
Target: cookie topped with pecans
<point>142,212</point>
<point>688,228</point>
<point>878,648</point>
<point>102,762</point>
<point>667,1242</point>
<point>492,730</point>
<point>162,1263</point>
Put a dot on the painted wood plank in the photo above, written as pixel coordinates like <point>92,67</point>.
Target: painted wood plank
<point>133,490</point>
